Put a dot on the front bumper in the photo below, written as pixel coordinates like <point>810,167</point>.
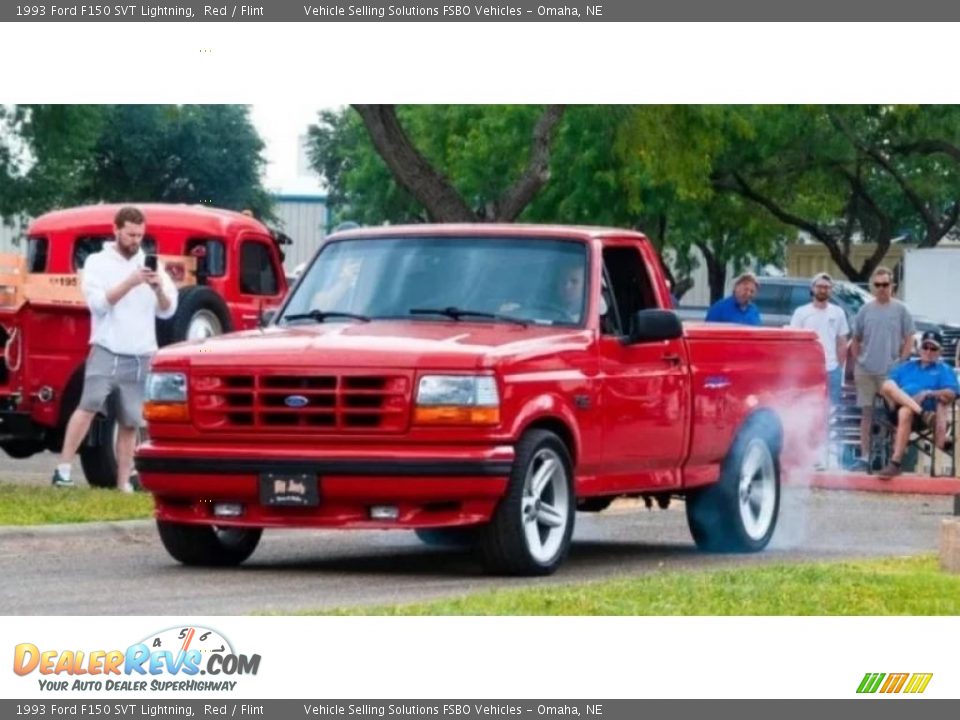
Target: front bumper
<point>18,426</point>
<point>428,486</point>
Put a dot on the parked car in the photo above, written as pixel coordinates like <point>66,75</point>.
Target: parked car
<point>228,270</point>
<point>441,379</point>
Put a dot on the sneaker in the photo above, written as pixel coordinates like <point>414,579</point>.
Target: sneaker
<point>859,465</point>
<point>127,489</point>
<point>891,470</point>
<point>60,481</point>
<point>135,482</point>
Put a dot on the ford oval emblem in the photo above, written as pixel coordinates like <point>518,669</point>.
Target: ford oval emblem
<point>296,401</point>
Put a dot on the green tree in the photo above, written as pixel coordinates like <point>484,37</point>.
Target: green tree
<point>63,155</point>
<point>841,174</point>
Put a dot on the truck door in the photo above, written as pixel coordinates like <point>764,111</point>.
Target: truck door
<point>260,283</point>
<point>645,389</point>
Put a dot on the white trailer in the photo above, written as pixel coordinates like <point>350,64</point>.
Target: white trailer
<point>929,282</point>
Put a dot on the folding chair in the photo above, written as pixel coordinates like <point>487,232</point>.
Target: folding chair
<point>921,441</point>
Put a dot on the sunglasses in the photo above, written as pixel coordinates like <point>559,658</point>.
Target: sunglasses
<point>930,347</point>
<point>881,285</point>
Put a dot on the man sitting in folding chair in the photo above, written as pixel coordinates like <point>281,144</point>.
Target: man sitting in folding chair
<point>919,395</point>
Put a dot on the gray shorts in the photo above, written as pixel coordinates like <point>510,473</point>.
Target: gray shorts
<point>125,375</point>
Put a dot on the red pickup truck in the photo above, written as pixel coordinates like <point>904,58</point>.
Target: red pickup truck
<point>228,268</point>
<point>477,383</point>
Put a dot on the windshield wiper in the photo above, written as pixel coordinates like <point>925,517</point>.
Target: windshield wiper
<point>321,315</point>
<point>458,313</point>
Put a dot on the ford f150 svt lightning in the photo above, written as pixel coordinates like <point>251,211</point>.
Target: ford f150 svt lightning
<point>481,384</point>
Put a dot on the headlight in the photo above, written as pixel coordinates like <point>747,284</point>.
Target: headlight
<point>166,398</point>
<point>166,387</point>
<point>458,400</point>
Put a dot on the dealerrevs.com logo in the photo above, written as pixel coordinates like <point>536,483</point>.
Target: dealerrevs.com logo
<point>910,683</point>
<point>172,659</point>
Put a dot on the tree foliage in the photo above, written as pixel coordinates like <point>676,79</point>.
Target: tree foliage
<point>63,155</point>
<point>735,182</point>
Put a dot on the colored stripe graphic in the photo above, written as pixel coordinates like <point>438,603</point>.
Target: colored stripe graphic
<point>918,683</point>
<point>894,683</point>
<point>870,682</point>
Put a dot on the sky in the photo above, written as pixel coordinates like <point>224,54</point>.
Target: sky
<point>280,126</point>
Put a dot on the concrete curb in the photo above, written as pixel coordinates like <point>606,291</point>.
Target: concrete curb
<point>907,483</point>
<point>114,528</point>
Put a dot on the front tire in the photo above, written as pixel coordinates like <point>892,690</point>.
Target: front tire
<point>207,545</point>
<point>532,526</point>
<point>739,513</point>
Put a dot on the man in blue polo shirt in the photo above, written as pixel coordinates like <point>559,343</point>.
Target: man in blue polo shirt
<point>919,393</point>
<point>738,308</point>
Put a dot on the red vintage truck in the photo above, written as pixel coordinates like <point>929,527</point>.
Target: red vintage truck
<point>228,268</point>
<point>479,384</point>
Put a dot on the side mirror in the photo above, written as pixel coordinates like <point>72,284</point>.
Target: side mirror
<point>653,325</point>
<point>266,316</point>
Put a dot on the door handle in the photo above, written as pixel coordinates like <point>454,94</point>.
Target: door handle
<point>672,358</point>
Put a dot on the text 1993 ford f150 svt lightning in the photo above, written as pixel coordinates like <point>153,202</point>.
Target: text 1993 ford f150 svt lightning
<point>478,383</point>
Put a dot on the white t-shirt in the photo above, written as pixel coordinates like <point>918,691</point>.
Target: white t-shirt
<point>126,328</point>
<point>828,323</point>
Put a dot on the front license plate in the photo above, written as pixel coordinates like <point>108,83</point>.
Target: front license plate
<point>289,489</point>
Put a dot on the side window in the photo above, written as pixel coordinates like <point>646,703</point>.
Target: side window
<point>87,245</point>
<point>214,260</point>
<point>630,286</point>
<point>38,249</point>
<point>771,299</point>
<point>257,274</point>
<point>799,295</point>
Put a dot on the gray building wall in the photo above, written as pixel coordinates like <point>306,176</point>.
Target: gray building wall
<point>304,218</point>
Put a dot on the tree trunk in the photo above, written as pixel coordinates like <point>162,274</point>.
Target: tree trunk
<point>434,191</point>
<point>716,272</point>
<point>411,169</point>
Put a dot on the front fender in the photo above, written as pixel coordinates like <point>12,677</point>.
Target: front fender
<point>549,408</point>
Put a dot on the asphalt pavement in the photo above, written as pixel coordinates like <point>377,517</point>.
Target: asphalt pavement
<point>121,568</point>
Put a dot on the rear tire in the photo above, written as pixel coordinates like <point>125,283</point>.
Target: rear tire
<point>532,526</point>
<point>99,459</point>
<point>201,313</point>
<point>739,512</point>
<point>206,545</point>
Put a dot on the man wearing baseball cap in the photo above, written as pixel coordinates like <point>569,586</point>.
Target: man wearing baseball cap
<point>919,393</point>
<point>829,322</point>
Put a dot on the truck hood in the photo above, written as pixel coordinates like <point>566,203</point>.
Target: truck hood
<point>393,344</point>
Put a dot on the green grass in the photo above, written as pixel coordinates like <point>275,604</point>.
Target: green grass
<point>900,586</point>
<point>26,505</point>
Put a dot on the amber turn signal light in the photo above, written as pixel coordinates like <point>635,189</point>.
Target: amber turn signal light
<point>456,415</point>
<point>166,412</point>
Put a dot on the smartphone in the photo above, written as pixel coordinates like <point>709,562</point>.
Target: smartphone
<point>150,263</point>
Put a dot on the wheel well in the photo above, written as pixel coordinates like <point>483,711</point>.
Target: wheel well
<point>768,423</point>
<point>559,428</point>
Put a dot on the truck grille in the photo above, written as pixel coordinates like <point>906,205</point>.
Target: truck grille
<point>307,403</point>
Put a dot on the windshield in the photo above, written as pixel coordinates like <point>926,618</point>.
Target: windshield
<point>537,281</point>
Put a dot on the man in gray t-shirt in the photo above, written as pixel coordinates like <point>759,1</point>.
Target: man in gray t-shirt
<point>882,337</point>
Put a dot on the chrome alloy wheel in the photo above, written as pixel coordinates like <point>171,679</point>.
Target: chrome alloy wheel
<point>204,324</point>
<point>545,507</point>
<point>757,489</point>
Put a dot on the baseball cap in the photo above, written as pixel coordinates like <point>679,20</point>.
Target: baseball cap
<point>821,276</point>
<point>932,336</point>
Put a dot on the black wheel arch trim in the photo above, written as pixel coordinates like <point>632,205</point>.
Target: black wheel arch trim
<point>403,468</point>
